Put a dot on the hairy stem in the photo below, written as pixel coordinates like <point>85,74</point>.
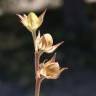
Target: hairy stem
<point>37,74</point>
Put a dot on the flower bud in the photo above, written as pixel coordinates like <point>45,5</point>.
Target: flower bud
<point>32,22</point>
<point>51,69</point>
<point>45,43</point>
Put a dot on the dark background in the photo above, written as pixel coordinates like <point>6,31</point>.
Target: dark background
<point>75,23</point>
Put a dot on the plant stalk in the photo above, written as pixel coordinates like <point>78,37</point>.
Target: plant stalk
<point>34,37</point>
<point>37,74</point>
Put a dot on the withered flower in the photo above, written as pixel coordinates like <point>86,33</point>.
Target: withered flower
<point>51,69</point>
<point>45,43</point>
<point>32,22</point>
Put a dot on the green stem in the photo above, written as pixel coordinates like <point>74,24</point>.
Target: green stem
<point>34,37</point>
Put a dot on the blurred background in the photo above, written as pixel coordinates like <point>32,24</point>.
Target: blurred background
<point>73,21</point>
